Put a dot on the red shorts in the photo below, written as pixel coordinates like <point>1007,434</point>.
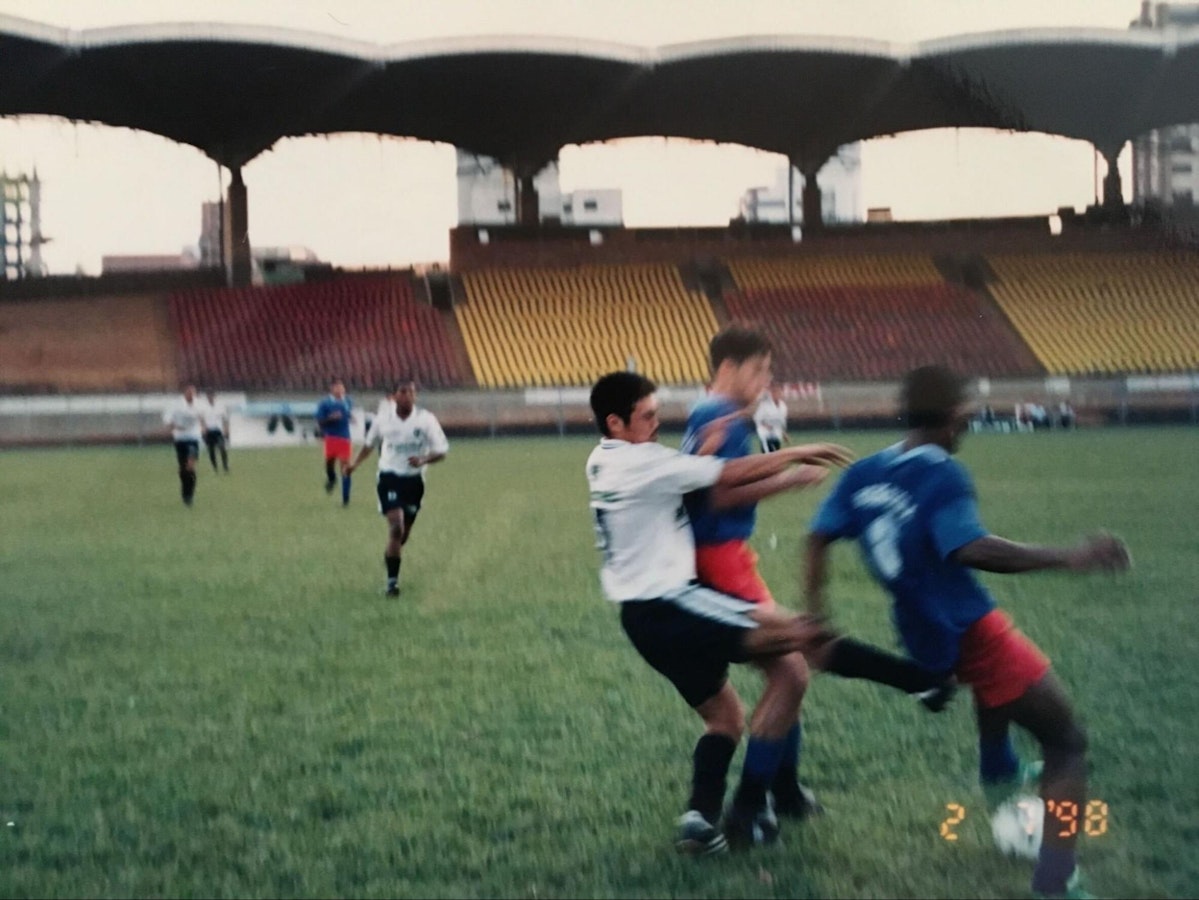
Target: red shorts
<point>337,448</point>
<point>732,568</point>
<point>998,661</point>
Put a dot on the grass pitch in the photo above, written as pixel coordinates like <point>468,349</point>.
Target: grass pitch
<point>219,702</point>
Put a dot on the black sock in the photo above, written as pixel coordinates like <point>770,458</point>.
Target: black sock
<point>189,484</point>
<point>329,472</point>
<point>854,659</point>
<point>393,568</point>
<point>713,753</point>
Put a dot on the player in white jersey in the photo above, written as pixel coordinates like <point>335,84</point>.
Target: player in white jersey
<point>184,420</point>
<point>410,440</point>
<point>689,633</point>
<point>215,418</point>
<point>770,419</point>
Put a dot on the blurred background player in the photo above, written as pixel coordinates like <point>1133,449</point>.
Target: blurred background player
<point>184,419</point>
<point>913,511</point>
<point>215,418</point>
<point>410,440</point>
<point>770,418</point>
<point>333,415</point>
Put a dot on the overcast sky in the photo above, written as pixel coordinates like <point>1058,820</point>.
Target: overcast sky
<point>360,200</point>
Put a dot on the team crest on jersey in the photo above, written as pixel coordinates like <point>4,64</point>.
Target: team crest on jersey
<point>416,432</point>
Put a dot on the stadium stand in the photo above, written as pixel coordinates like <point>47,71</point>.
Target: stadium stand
<point>871,317</point>
<point>568,326</point>
<point>368,329</point>
<point>98,343</point>
<point>1103,313</point>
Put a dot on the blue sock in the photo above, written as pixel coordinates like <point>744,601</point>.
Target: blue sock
<point>1055,865</point>
<point>345,488</point>
<point>786,780</point>
<point>997,760</point>
<point>762,758</point>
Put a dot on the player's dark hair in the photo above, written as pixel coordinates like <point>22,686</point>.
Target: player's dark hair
<point>616,394</point>
<point>929,396</point>
<point>335,379</point>
<point>738,343</point>
<point>402,382</point>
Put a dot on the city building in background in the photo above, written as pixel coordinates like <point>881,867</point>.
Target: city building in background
<point>21,229</point>
<point>487,196</point>
<point>1165,162</point>
<point>840,193</point>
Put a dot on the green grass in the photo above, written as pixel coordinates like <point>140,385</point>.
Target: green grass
<point>219,702</point>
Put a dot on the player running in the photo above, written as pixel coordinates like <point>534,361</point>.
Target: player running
<point>333,415</point>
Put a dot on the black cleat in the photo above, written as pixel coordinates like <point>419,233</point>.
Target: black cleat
<point>329,486</point>
<point>696,836</point>
<point>936,699</point>
<point>750,828</point>
<point>392,592</point>
<point>799,805</point>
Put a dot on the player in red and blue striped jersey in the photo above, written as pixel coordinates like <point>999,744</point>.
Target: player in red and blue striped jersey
<point>333,415</point>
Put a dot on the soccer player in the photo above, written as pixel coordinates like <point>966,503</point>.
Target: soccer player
<point>215,418</point>
<point>687,632</point>
<point>912,509</point>
<point>770,418</point>
<point>333,415</point>
<point>184,419</point>
<point>411,439</point>
<point>723,521</point>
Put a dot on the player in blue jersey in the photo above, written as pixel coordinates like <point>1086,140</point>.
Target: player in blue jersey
<point>723,519</point>
<point>333,415</point>
<point>913,511</point>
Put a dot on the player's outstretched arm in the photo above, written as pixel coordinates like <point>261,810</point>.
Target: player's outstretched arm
<point>746,469</point>
<point>795,478</point>
<point>360,458</point>
<point>1097,553</point>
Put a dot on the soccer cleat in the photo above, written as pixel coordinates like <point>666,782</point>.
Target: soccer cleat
<point>392,591</point>
<point>1022,782</point>
<point>1075,889</point>
<point>937,698</point>
<point>800,805</point>
<point>750,828</point>
<point>329,486</point>
<point>696,836</point>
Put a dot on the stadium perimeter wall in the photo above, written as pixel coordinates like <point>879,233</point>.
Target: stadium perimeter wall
<point>80,419</point>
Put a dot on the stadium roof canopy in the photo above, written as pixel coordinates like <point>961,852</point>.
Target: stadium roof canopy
<point>233,90</point>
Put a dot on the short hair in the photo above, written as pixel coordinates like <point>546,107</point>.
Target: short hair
<point>402,382</point>
<point>335,379</point>
<point>738,343</point>
<point>929,396</point>
<point>617,393</point>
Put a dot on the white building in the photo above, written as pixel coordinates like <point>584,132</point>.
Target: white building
<point>1165,162</point>
<point>487,196</point>
<point>840,192</point>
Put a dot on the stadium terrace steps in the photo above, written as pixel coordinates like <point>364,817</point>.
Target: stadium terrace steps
<point>872,317</point>
<point>527,327</point>
<point>104,343</point>
<point>1098,313</point>
<point>368,330</point>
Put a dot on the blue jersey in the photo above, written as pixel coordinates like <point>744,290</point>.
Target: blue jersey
<point>708,525</point>
<point>340,427</point>
<point>909,511</point>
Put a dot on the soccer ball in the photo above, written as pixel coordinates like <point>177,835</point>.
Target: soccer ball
<point>1017,826</point>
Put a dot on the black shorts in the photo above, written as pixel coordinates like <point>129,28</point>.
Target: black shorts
<point>214,437</point>
<point>400,492</point>
<point>185,450</point>
<point>690,637</point>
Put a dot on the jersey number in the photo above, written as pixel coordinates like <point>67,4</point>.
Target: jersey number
<point>882,543</point>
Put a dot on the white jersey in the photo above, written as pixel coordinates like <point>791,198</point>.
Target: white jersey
<point>770,418</point>
<point>184,419</point>
<point>213,415</point>
<point>641,524</point>
<point>397,439</point>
